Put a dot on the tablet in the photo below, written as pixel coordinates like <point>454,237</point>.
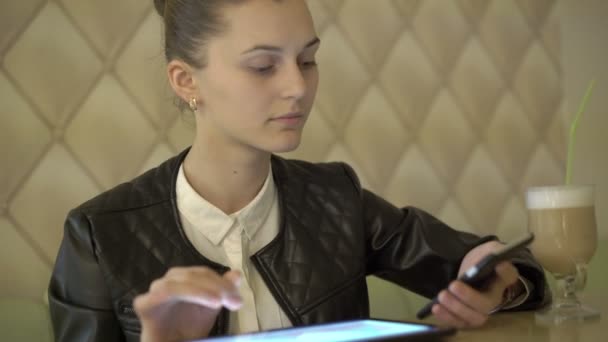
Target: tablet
<point>355,330</point>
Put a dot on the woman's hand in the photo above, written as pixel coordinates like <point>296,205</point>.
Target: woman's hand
<point>184,304</point>
<point>462,306</point>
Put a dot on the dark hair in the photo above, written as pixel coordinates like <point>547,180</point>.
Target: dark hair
<point>188,26</point>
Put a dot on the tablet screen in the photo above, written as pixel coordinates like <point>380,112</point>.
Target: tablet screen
<point>357,330</point>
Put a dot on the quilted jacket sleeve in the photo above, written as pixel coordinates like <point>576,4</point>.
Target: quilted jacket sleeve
<point>80,305</point>
<point>412,248</point>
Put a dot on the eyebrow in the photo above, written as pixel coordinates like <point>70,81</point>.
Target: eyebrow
<point>271,48</point>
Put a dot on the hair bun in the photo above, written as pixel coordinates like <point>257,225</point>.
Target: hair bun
<point>160,7</point>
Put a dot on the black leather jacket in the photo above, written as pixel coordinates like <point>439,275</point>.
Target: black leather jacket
<point>333,233</point>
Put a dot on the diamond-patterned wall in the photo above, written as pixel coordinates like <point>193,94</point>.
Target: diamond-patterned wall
<point>452,106</point>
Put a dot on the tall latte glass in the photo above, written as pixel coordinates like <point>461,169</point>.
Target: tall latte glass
<point>562,219</point>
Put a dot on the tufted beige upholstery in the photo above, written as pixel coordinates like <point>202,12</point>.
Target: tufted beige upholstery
<point>453,106</point>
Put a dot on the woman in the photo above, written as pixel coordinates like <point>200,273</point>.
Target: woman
<point>227,237</point>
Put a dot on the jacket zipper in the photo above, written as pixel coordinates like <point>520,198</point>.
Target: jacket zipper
<point>127,310</point>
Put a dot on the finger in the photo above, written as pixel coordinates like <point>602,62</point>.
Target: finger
<point>186,273</point>
<point>477,254</point>
<point>227,284</point>
<point>507,278</point>
<point>462,311</point>
<point>233,300</point>
<point>209,288</point>
<point>444,315</point>
<point>478,301</point>
<point>207,293</point>
<point>210,294</point>
<point>234,276</point>
<point>214,295</point>
<point>205,274</point>
<point>506,273</point>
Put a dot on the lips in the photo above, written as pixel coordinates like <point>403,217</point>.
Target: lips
<point>290,119</point>
<point>289,116</point>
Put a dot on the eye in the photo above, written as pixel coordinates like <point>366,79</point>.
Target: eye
<point>263,69</point>
<point>308,64</point>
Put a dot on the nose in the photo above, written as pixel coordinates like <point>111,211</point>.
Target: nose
<point>293,82</point>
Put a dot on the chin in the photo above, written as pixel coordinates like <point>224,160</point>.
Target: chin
<point>285,148</point>
<point>285,144</point>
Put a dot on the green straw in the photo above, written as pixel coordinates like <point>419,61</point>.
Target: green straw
<point>573,128</point>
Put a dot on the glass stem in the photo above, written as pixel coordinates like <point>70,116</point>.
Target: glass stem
<point>566,296</point>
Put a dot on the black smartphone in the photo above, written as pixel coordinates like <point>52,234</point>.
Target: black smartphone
<point>479,275</point>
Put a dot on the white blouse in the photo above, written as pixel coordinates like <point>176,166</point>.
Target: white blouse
<point>230,240</point>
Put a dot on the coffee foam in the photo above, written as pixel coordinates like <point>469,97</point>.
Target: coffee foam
<point>553,197</point>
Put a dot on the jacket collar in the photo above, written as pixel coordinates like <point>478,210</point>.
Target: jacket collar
<point>169,170</point>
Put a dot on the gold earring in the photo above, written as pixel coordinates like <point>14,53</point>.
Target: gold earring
<point>193,105</point>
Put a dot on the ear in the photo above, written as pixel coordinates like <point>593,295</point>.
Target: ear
<point>182,80</point>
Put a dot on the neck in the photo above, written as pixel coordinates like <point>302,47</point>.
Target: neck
<point>227,179</point>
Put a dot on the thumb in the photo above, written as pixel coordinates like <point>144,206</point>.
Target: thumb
<point>507,274</point>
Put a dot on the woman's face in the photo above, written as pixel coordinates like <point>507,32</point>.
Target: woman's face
<point>261,77</point>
